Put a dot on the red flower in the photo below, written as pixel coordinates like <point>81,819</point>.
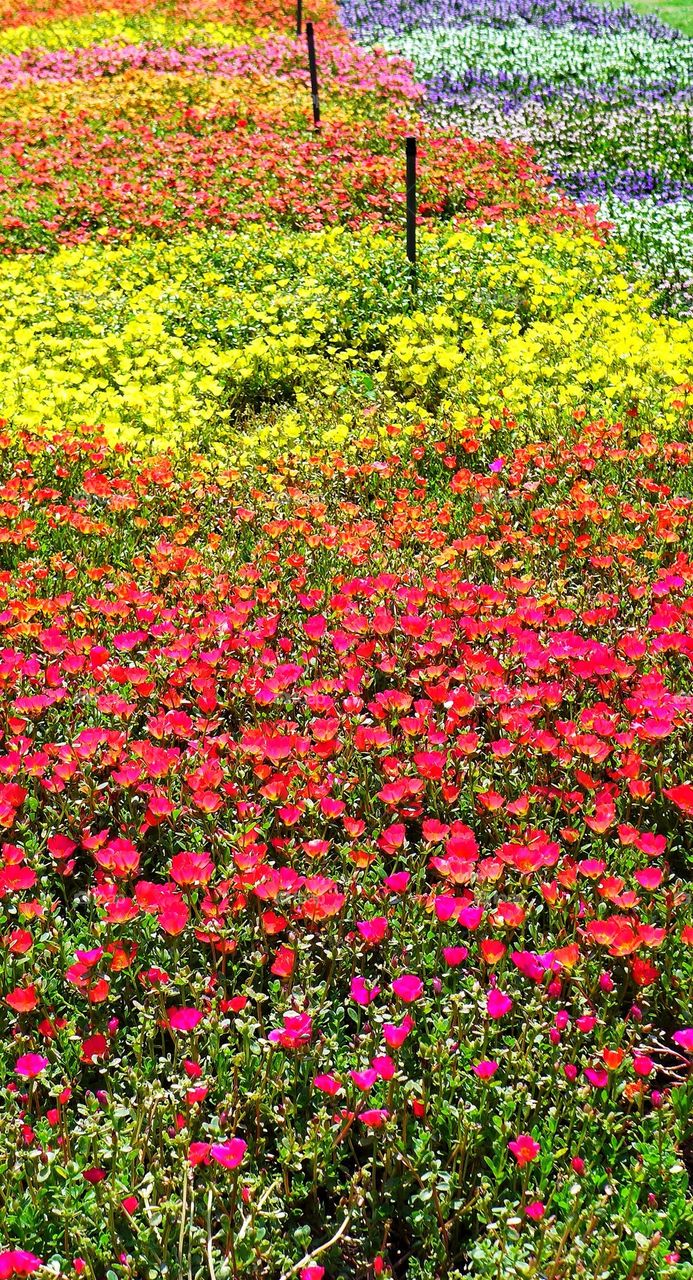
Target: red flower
<point>198,1153</point>
<point>682,797</point>
<point>22,999</point>
<point>284,962</point>
<point>192,868</point>
<point>374,1119</point>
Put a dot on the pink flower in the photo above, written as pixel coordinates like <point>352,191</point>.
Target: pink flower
<point>184,1019</point>
<point>297,1031</point>
<point>535,1210</point>
<point>398,881</point>
<point>597,1077</point>
<point>455,955</point>
<point>470,917</point>
<point>497,1003</point>
<point>327,1084</point>
<point>642,1065</point>
<point>361,993</point>
<point>395,1036</point>
<point>229,1153</point>
<point>684,1039</point>
<point>485,1070</point>
<point>364,1080</point>
<point>313,1272</point>
<point>18,1262</point>
<point>373,931</point>
<point>408,988</point>
<point>524,1148</point>
<point>314,628</point>
<point>30,1065</point>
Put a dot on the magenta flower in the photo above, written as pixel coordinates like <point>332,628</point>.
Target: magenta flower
<point>362,993</point>
<point>184,1019</point>
<point>446,907</point>
<point>408,988</point>
<point>296,1032</point>
<point>497,1003</point>
<point>684,1039</point>
<point>18,1262</point>
<point>364,1080</point>
<point>30,1065</point>
<point>470,917</point>
<point>327,1084</point>
<point>372,931</point>
<point>230,1153</point>
<point>398,881</point>
<point>535,1210</point>
<point>394,1035</point>
<point>524,1148</point>
<point>485,1070</point>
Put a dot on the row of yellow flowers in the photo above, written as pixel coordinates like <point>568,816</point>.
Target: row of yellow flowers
<point>266,338</point>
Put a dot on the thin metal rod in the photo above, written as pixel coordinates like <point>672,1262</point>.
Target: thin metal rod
<point>313,67</point>
<point>411,200</point>
<point>299,17</point>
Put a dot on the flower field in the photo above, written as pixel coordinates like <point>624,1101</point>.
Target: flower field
<point>347,627</point>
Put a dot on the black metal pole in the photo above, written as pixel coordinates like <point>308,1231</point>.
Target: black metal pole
<point>313,66</point>
<point>299,16</point>
<point>411,201</point>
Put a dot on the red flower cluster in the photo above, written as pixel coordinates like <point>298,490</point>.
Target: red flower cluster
<point>64,182</point>
<point>334,825</point>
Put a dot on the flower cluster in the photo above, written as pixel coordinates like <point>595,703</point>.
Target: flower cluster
<point>263,340</point>
<point>603,94</point>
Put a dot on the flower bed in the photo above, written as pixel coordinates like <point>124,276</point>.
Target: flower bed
<point>604,94</point>
<point>345,733</point>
